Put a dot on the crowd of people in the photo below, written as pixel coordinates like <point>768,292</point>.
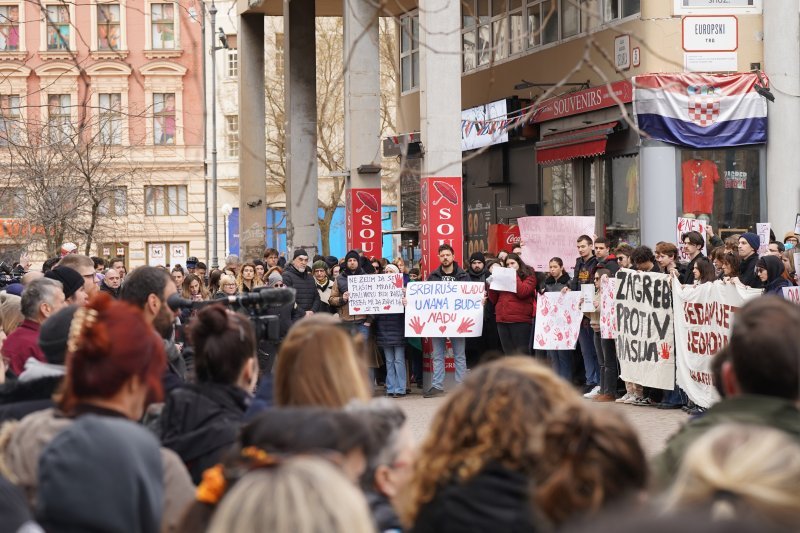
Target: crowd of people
<point>207,427</point>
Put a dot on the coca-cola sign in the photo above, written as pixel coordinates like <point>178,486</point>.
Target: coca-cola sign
<point>364,220</point>
<point>441,220</point>
<point>503,237</point>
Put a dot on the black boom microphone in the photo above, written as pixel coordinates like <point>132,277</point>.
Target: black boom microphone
<point>265,297</point>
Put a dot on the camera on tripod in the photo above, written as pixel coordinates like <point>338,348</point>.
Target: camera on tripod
<point>255,305</point>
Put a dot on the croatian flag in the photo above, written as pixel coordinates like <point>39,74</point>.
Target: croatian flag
<point>700,110</point>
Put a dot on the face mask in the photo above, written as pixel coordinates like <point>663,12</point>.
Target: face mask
<point>788,245</point>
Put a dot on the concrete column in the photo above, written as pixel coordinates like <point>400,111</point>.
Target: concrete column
<point>252,138</point>
<point>782,64</point>
<point>658,191</point>
<point>362,124</point>
<point>440,128</point>
<point>300,67</point>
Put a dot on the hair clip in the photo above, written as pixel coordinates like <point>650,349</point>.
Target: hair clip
<point>83,317</point>
<point>212,487</point>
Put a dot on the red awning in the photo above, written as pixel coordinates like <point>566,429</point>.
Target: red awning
<point>566,145</point>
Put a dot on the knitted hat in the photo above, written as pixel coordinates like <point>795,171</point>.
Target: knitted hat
<point>299,253</point>
<point>477,256</point>
<point>319,265</point>
<point>332,261</point>
<point>15,289</point>
<point>752,239</point>
<point>54,333</point>
<point>352,254</point>
<point>69,278</point>
<point>274,279</point>
<point>391,269</point>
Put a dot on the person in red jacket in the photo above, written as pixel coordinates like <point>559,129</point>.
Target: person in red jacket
<point>515,310</point>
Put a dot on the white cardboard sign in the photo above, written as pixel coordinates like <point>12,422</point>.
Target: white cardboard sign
<point>504,279</point>
<point>444,309</point>
<point>375,294</point>
<point>558,321</point>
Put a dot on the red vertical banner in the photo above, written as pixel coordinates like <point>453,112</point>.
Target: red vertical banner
<point>364,221</point>
<point>441,220</point>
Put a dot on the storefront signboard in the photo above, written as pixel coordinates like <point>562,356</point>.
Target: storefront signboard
<point>441,220</point>
<point>737,7</point>
<point>706,33</point>
<point>579,102</point>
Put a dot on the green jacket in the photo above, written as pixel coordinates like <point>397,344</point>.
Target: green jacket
<point>745,409</point>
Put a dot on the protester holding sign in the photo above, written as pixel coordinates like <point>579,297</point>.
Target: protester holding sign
<point>448,271</point>
<point>389,333</point>
<point>340,297</point>
<point>606,348</point>
<point>584,268</point>
<point>516,310</point>
<point>555,282</point>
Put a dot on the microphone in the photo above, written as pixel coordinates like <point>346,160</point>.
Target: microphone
<point>263,297</point>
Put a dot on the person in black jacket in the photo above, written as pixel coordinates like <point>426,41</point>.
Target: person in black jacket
<point>448,271</point>
<point>200,421</point>
<point>477,346</point>
<point>748,248</point>
<point>584,270</point>
<point>390,335</point>
<point>298,277</point>
<point>111,282</point>
<point>605,259</point>
<point>693,244</point>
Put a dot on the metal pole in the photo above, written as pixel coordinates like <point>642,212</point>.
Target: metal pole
<point>214,258</point>
<point>205,129</point>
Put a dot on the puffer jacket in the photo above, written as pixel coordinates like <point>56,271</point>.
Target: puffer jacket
<point>390,330</point>
<point>518,307</point>
<point>555,285</point>
<point>337,302</point>
<point>307,296</point>
<point>458,274</point>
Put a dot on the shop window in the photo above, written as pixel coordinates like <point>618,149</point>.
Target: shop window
<point>558,187</point>
<point>621,196</point>
<point>9,28</point>
<point>409,52</point>
<point>722,186</point>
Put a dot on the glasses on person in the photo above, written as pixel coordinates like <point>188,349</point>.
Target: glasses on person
<point>228,284</point>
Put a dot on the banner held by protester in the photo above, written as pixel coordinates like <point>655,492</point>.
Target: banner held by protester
<point>543,238</point>
<point>703,320</point>
<point>558,321</point>
<point>645,339</point>
<point>375,294</point>
<point>444,309</point>
<point>608,317</point>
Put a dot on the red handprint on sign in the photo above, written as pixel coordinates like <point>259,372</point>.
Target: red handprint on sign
<point>559,336</point>
<point>568,317</point>
<point>664,350</point>
<point>416,325</point>
<point>540,340</point>
<point>466,325</point>
<point>398,281</point>
<point>547,328</point>
<point>545,308</point>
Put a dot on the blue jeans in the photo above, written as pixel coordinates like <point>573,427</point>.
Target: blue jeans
<point>395,369</point>
<point>562,363</point>
<point>586,342</point>
<point>459,353</point>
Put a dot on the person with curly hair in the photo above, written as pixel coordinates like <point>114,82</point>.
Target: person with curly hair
<point>247,280</point>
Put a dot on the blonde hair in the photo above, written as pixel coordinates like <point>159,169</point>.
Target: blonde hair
<point>226,278</point>
<point>302,495</point>
<point>10,312</point>
<point>499,414</point>
<point>739,470</point>
<point>318,365</point>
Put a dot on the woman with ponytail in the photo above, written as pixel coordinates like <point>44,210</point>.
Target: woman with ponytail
<point>200,420</point>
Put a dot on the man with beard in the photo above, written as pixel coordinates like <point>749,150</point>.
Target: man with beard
<point>477,346</point>
<point>148,288</point>
<point>298,276</point>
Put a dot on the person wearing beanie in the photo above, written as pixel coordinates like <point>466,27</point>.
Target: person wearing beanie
<point>769,270</point>
<point>298,276</point>
<point>15,289</point>
<point>324,285</point>
<point>476,346</point>
<point>275,280</point>
<point>74,291</point>
<point>37,383</point>
<point>748,255</point>
<point>331,261</point>
<point>340,296</point>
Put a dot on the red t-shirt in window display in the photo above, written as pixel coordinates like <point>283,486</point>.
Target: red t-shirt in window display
<point>699,177</point>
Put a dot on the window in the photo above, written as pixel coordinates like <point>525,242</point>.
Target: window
<point>622,200</point>
<point>570,18</point>
<point>12,202</point>
<point>409,52</point>
<point>58,28</point>
<point>59,116</point>
<point>164,118</point>
<point>232,63</point>
<point>9,28</point>
<point>110,116</point>
<point>278,55</point>
<point>500,38</point>
<point>165,200</point>
<point>232,135</point>
<point>558,182</point>
<point>115,203</point>
<point>9,118</point>
<point>615,9</point>
<point>109,31</point>
<point>162,26</point>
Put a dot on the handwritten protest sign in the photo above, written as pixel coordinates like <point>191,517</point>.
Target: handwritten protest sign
<point>686,225</point>
<point>762,230</point>
<point>792,294</point>
<point>546,237</point>
<point>608,316</point>
<point>558,321</point>
<point>444,309</point>
<point>375,294</point>
<point>504,279</point>
<point>587,297</point>
<point>645,340</point>
<point>703,320</point>
<point>797,224</point>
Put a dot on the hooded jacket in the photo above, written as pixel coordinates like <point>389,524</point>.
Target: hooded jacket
<point>584,269</point>
<point>516,307</point>
<point>747,272</point>
<point>477,276</point>
<point>307,296</point>
<point>495,499</point>
<point>458,274</point>
<point>775,280</point>
<point>337,301</point>
<point>200,422</point>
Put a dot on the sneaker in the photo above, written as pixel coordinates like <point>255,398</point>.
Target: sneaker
<point>592,394</point>
<point>432,392</point>
<point>624,398</point>
<point>632,399</point>
<point>643,402</point>
<point>604,398</point>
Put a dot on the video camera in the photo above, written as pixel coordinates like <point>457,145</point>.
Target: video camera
<point>9,274</point>
<point>256,305</point>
